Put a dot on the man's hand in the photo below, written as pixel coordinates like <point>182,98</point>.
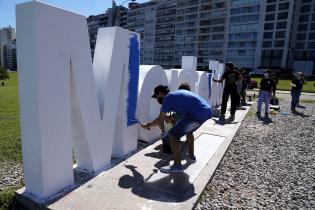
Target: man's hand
<point>146,126</point>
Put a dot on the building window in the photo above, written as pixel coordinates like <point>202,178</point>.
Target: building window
<point>312,26</point>
<point>266,53</point>
<point>301,37</point>
<point>270,17</point>
<point>302,27</point>
<point>313,16</point>
<point>278,53</point>
<point>305,8</point>
<point>268,26</point>
<point>279,43</point>
<point>268,35</point>
<point>271,8</point>
<point>218,29</point>
<point>271,1</point>
<point>280,34</point>
<point>281,25</point>
<point>306,1</point>
<point>303,18</point>
<point>311,36</point>
<point>299,45</point>
<point>267,44</point>
<point>282,15</point>
<point>311,45</point>
<point>283,6</point>
<point>217,36</point>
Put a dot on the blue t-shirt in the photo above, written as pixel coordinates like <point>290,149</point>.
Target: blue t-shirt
<point>186,102</point>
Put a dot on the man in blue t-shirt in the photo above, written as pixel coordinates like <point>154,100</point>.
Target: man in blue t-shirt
<point>194,111</point>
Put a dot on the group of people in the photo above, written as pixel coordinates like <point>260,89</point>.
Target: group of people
<point>186,111</point>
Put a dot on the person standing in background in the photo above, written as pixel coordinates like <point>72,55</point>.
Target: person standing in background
<point>231,78</point>
<point>296,90</point>
<point>266,89</point>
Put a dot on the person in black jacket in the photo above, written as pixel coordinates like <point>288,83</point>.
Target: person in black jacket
<point>231,78</point>
<point>266,89</point>
<point>296,90</point>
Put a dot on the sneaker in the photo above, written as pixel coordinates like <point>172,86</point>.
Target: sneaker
<point>190,158</point>
<point>222,117</point>
<point>232,117</point>
<point>172,169</point>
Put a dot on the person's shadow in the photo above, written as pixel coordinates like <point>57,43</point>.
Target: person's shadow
<point>128,181</point>
<point>163,187</point>
<point>301,114</point>
<point>266,120</point>
<point>301,106</point>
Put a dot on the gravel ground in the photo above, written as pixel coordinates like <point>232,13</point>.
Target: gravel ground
<point>11,175</point>
<point>269,165</point>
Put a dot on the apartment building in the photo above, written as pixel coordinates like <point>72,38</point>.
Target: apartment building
<point>277,34</point>
<point>200,26</point>
<point>141,19</point>
<point>302,49</point>
<point>243,29</point>
<point>165,33</point>
<point>8,48</point>
<point>115,16</point>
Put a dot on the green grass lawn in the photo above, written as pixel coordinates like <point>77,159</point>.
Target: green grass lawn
<point>10,141</point>
<point>285,85</point>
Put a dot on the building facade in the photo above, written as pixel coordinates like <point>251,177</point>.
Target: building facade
<point>141,19</point>
<point>115,16</point>
<point>276,34</point>
<point>8,48</point>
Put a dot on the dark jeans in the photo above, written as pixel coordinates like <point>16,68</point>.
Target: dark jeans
<point>295,94</point>
<point>229,91</point>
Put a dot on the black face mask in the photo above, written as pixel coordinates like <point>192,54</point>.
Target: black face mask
<point>160,100</point>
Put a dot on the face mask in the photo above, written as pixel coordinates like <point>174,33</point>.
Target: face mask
<point>266,75</point>
<point>160,100</point>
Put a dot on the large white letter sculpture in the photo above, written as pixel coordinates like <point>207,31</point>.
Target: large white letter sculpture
<point>149,109</point>
<point>66,102</point>
<point>60,99</point>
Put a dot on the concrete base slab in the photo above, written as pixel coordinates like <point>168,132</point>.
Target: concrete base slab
<point>136,182</point>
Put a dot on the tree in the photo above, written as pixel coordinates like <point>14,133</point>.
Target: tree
<point>4,74</point>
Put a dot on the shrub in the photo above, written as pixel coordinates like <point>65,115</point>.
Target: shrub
<point>4,74</point>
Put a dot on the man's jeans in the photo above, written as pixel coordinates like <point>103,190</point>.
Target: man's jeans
<point>264,97</point>
<point>295,94</point>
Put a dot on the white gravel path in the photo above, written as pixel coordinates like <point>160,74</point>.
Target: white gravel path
<point>268,165</point>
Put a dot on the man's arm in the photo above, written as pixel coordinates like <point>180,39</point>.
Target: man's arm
<point>157,122</point>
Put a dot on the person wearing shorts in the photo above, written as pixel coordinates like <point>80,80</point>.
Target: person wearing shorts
<point>194,111</point>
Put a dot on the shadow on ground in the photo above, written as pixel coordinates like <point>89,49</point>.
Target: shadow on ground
<point>157,186</point>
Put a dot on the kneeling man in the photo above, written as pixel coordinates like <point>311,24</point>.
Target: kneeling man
<point>194,111</point>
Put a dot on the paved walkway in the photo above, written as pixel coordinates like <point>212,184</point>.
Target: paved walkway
<point>136,183</point>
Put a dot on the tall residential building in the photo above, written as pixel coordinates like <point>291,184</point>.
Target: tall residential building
<point>243,27</point>
<point>165,33</point>
<point>302,49</point>
<point>200,30</point>
<point>276,34</point>
<point>8,48</point>
<point>141,19</point>
<point>9,56</point>
<point>7,34</point>
<point>115,16</point>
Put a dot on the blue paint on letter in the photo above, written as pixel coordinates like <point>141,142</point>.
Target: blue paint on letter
<point>133,69</point>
